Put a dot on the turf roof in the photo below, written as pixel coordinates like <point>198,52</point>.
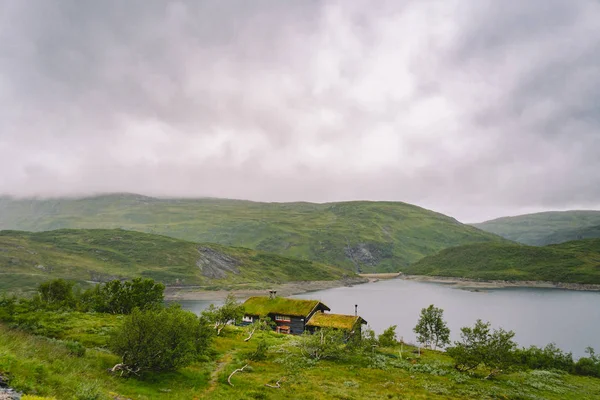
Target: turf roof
<point>337,321</point>
<point>262,306</point>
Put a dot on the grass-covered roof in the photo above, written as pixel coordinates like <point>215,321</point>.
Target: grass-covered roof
<point>262,306</point>
<point>337,321</point>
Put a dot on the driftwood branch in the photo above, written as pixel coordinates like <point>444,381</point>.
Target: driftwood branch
<point>251,333</point>
<point>277,384</point>
<point>124,369</point>
<point>237,370</point>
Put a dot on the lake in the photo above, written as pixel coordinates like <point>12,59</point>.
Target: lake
<point>571,319</point>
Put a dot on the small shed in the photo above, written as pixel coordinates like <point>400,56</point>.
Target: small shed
<point>350,323</point>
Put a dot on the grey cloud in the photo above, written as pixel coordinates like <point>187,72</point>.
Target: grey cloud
<point>475,109</point>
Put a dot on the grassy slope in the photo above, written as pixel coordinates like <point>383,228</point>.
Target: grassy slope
<point>28,258</point>
<point>577,261</point>
<point>364,236</point>
<point>546,228</point>
<point>36,364</point>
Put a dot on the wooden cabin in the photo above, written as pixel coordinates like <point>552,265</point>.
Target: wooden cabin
<point>289,315</point>
<point>294,316</point>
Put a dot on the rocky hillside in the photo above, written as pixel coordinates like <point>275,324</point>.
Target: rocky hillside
<point>98,255</point>
<point>360,236</point>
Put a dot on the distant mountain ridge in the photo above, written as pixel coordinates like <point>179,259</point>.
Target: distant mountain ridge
<point>544,228</point>
<point>361,235</point>
<point>571,262</point>
<point>98,255</point>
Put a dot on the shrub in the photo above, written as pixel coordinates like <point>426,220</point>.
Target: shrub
<point>75,348</point>
<point>160,340</point>
<point>388,337</point>
<point>589,366</point>
<point>116,297</point>
<point>480,345</point>
<point>550,357</point>
<point>323,344</point>
<point>57,292</point>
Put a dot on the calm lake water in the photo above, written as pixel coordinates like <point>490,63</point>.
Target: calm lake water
<point>571,319</point>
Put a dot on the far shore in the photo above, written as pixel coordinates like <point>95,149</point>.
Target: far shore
<point>283,289</point>
<point>292,288</point>
<point>469,284</point>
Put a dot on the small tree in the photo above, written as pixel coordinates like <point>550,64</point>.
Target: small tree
<point>231,311</point>
<point>480,345</point>
<point>57,291</point>
<point>388,337</point>
<point>431,329</point>
<point>159,339</point>
<point>261,324</point>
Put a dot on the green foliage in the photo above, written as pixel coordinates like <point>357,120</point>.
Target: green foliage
<point>260,354</point>
<point>116,297</point>
<point>588,366</point>
<point>75,348</point>
<point>159,340</point>
<point>546,227</point>
<point>388,337</point>
<point>575,262</point>
<point>431,329</point>
<point>481,345</point>
<point>549,357</point>
<point>57,292</point>
<point>325,343</point>
<point>360,236</point>
<point>230,311</point>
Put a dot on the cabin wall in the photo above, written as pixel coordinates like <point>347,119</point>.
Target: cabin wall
<point>297,326</point>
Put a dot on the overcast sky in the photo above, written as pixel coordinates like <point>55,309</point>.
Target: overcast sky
<point>476,109</point>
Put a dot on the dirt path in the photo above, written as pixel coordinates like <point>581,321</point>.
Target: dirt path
<point>214,377</point>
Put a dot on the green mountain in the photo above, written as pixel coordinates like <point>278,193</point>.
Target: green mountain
<point>575,262</point>
<point>546,227</point>
<point>27,259</point>
<point>361,236</point>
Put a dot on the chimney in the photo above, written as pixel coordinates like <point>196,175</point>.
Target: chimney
<point>272,294</point>
<point>356,310</point>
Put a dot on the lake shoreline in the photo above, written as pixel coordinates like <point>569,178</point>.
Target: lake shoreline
<point>283,289</point>
<point>470,284</point>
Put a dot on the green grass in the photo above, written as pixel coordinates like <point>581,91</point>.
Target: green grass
<point>574,262</point>
<point>337,321</point>
<point>26,259</point>
<point>41,366</point>
<point>546,227</point>
<point>262,306</point>
<point>361,236</point>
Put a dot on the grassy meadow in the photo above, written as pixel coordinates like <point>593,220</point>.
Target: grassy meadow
<point>41,365</point>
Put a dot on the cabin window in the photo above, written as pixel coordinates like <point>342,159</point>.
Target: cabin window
<point>282,318</point>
